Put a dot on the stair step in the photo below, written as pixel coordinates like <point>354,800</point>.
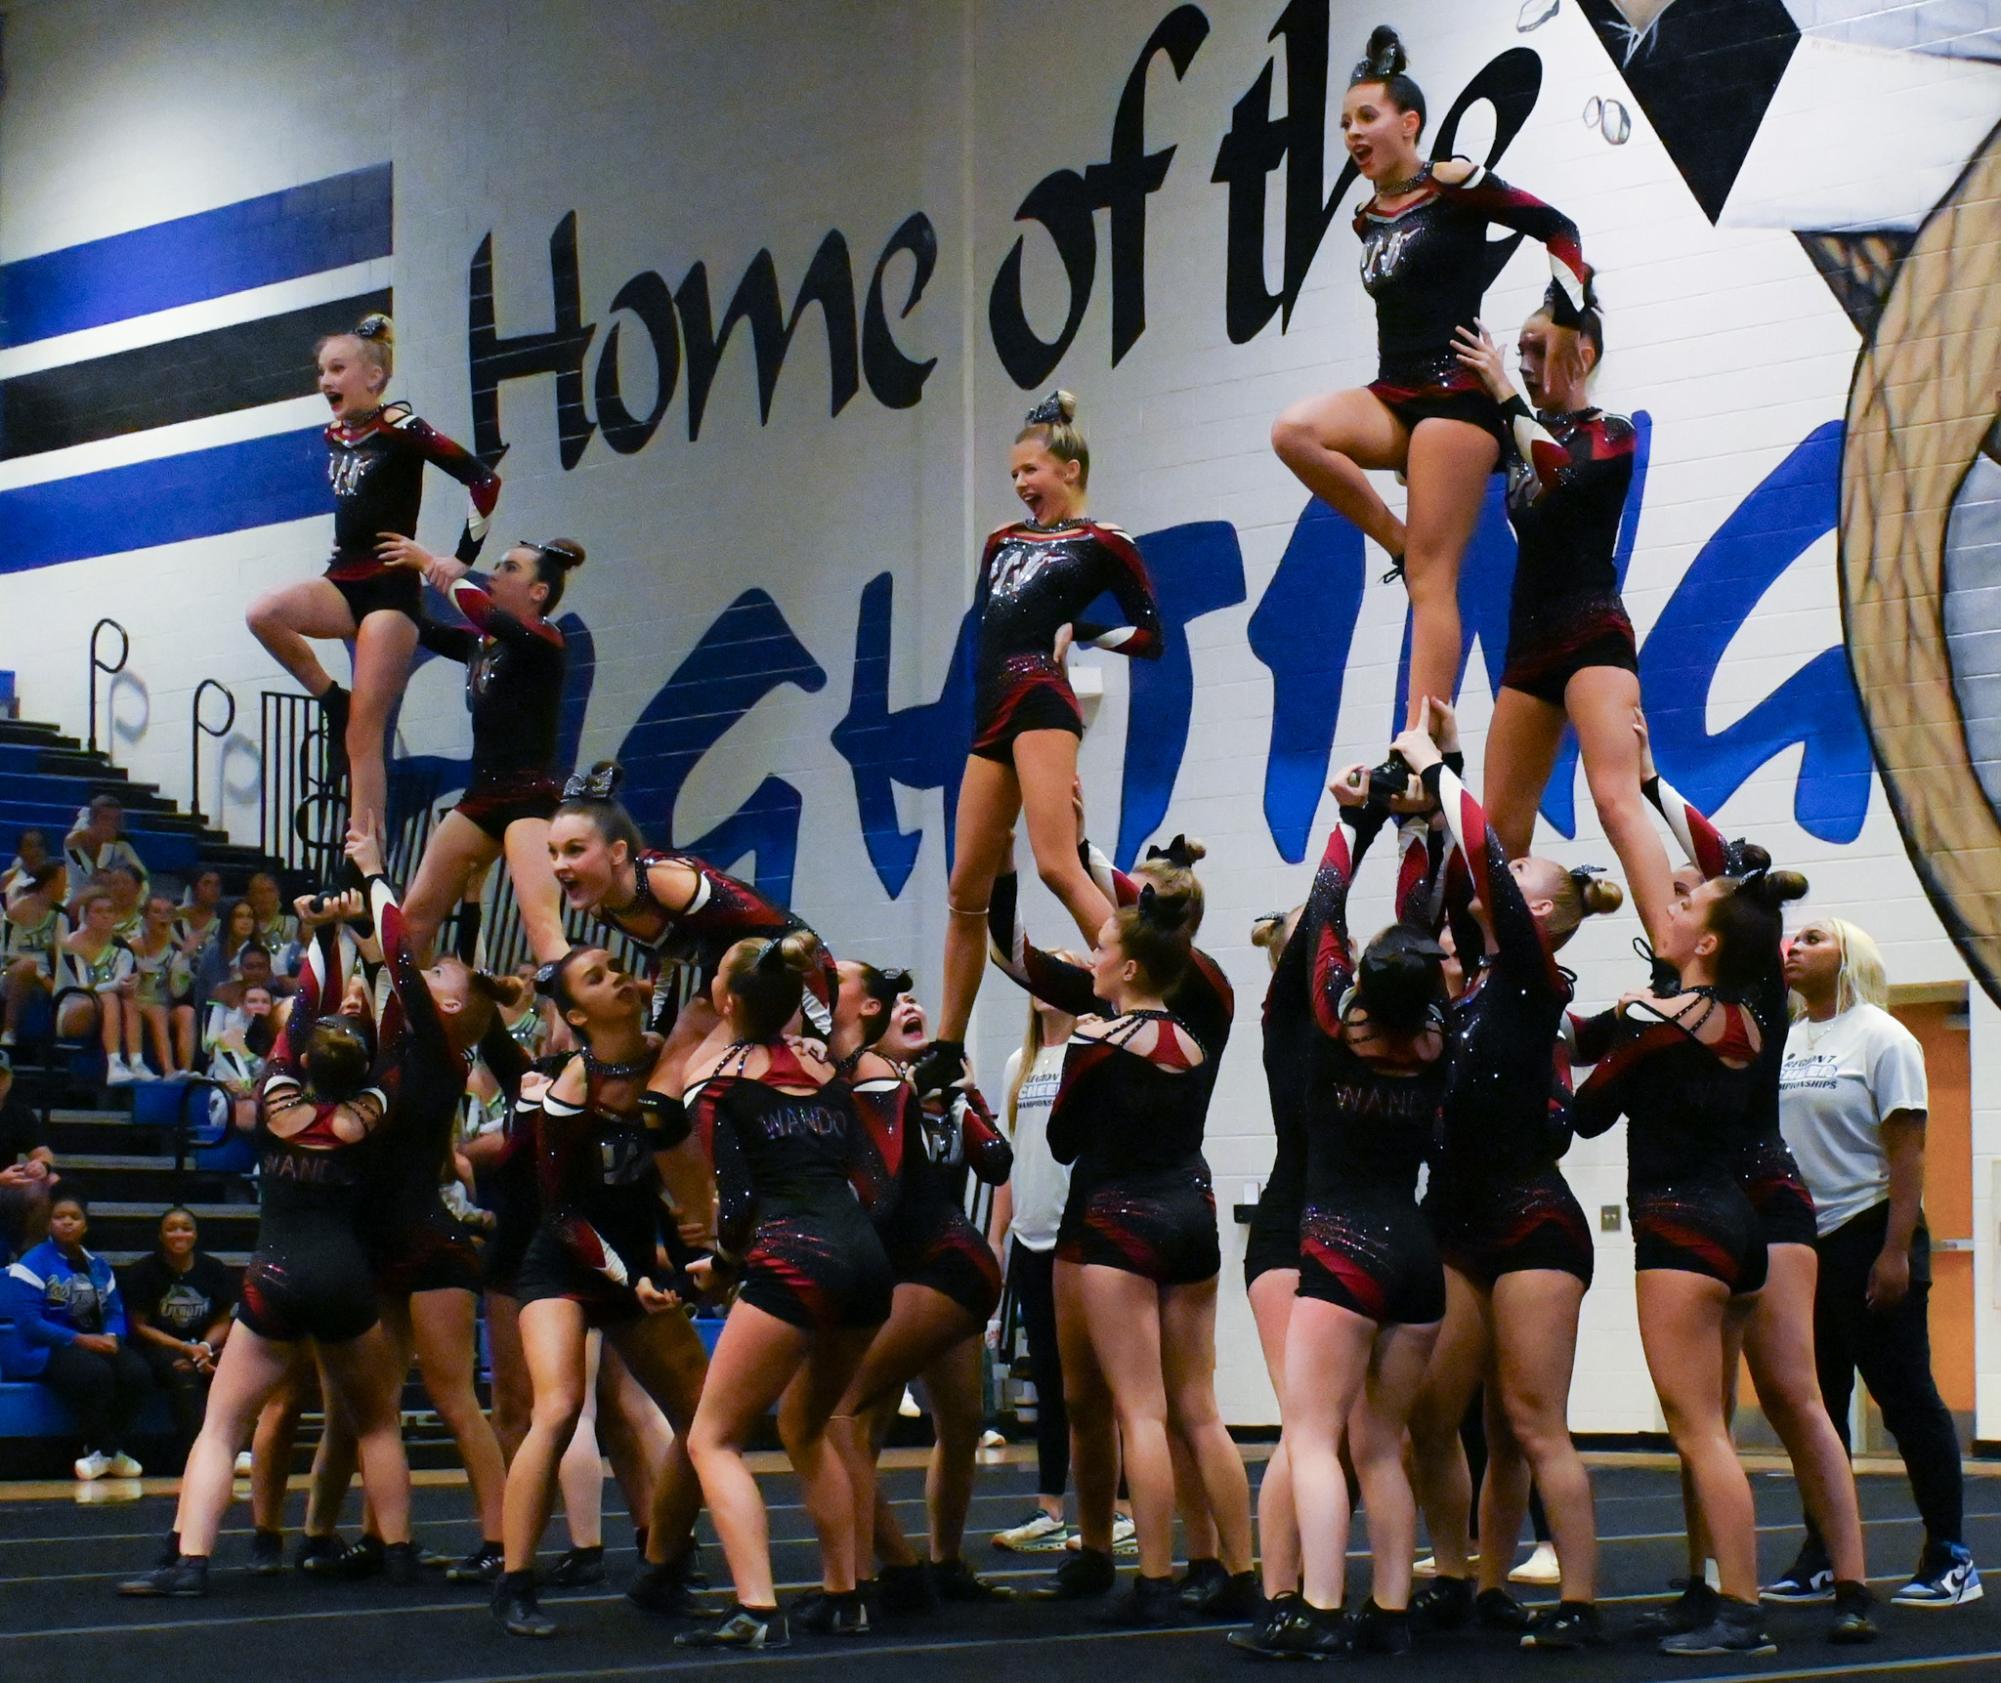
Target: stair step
<point>87,1163</point>
<point>33,730</point>
<point>112,1209</point>
<point>238,1260</point>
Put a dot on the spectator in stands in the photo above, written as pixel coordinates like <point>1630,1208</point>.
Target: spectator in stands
<point>65,1325</point>
<point>32,927</point>
<point>155,956</point>
<point>98,842</point>
<point>277,929</point>
<point>200,912</point>
<point>235,929</point>
<point>178,1301</point>
<point>27,1170</point>
<point>95,961</point>
<point>31,854</point>
<point>237,1055</point>
<point>124,886</point>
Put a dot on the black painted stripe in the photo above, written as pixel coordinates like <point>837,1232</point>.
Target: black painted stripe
<point>214,373</point>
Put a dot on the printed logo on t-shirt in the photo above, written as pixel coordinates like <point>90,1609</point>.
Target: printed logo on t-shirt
<point>1819,1071</point>
<point>183,1309</point>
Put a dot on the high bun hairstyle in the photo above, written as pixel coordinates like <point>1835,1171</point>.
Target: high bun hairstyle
<point>1384,60</point>
<point>768,979</point>
<point>338,1057</point>
<point>1401,980</point>
<point>1154,934</point>
<point>554,562</point>
<point>1171,871</point>
<point>593,795</point>
<point>1053,424</point>
<point>375,333</point>
<point>1746,919</point>
<point>1574,894</point>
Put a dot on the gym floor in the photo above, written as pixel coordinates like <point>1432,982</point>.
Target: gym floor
<point>60,1621</point>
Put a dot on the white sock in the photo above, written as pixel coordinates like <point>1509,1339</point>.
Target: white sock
<point>1710,1575</point>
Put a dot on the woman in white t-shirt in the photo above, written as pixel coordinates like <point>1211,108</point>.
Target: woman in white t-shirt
<point>1026,1213</point>
<point>1852,1101</point>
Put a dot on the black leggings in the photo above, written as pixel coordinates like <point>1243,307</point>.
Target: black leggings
<point>1894,1353</point>
<point>105,1393</point>
<point>186,1389</point>
<point>1031,1277</point>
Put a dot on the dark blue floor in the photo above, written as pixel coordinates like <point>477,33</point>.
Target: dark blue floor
<point>61,1623</point>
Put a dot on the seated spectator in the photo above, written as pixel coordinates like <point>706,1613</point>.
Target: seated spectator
<point>200,912</point>
<point>27,1170</point>
<point>277,929</point>
<point>154,958</point>
<point>235,928</point>
<point>178,1301</point>
<point>32,853</point>
<point>31,927</point>
<point>124,886</point>
<point>98,842</point>
<point>95,960</point>
<point>240,1043</point>
<point>65,1325</point>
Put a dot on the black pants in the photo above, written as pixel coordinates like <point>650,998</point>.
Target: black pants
<point>1032,1279</point>
<point>186,1389</point>
<point>1894,1354</point>
<point>105,1393</point>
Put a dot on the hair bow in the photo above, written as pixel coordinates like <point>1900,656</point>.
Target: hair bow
<point>372,328</point>
<point>1047,412</point>
<point>1175,852</point>
<point>597,784</point>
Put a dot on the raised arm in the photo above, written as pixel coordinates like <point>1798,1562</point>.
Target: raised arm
<point>1518,938</point>
<point>481,482</point>
<point>1126,578</point>
<point>1324,925</point>
<point>1486,193</point>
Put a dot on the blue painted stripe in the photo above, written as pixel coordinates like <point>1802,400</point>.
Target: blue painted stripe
<point>303,230</point>
<point>197,495</point>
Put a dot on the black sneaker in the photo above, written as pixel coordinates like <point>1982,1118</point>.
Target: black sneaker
<point>317,1554</point>
<point>170,1551</point>
<point>740,1627</point>
<point>577,1567</point>
<point>187,1576</point>
<point>333,732</point>
<point>482,1566</point>
<point>1495,1609</point>
<point>1234,1599</point>
<point>401,1564</point>
<point>267,1553</point>
<point>1444,1603</point>
<point>1378,1630</point>
<point>358,1561</point>
<point>1202,1576</point>
<point>1808,1580</point>
<point>1737,1628</point>
<point>954,1580</point>
<point>515,1608</point>
<point>1693,1609</point>
<point>1297,1630</point>
<point>1573,1624</point>
<point>1148,1604</point>
<point>832,1613</point>
<point>1086,1573</point>
<point>907,1589</point>
<point>1852,1624</point>
<point>1262,1635</point>
<point>661,1587</point>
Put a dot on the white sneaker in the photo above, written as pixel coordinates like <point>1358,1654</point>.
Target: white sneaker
<point>1427,1566</point>
<point>1540,1568</point>
<point>143,1071</point>
<point>1040,1533</point>
<point>117,1073</point>
<point>909,1407</point>
<point>92,1467</point>
<point>991,1439</point>
<point>123,1466</point>
<point>243,1463</point>
<point>1125,1535</point>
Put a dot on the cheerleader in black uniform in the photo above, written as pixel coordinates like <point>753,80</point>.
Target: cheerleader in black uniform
<point>1036,576</point>
<point>515,662</point>
<point>376,454</point>
<point>1423,262</point>
<point>779,1124</point>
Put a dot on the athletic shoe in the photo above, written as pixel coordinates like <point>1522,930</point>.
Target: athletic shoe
<point>1541,1567</point>
<point>242,1463</point>
<point>142,1070</point>
<point>954,1580</point>
<point>740,1627</point>
<point>1146,1604</point>
<point>1574,1624</point>
<point>170,1551</point>
<point>364,1558</point>
<point>1125,1536</point>
<point>576,1567</point>
<point>123,1466</point>
<point>660,1587</point>
<point>118,1073</point>
<point>1809,1579</point>
<point>333,733</point>
<point>482,1566</point>
<point>831,1614</point>
<point>1852,1624</point>
<point>92,1467</point>
<point>267,1554</point>
<point>317,1554</point>
<point>1377,1630</point>
<point>1227,1600</point>
<point>1295,1630</point>
<point>1040,1533</point>
<point>401,1565</point>
<point>187,1576</point>
<point>1444,1603</point>
<point>1201,1578</point>
<point>1085,1573</point>
<point>1693,1609</point>
<point>1737,1629</point>
<point>1495,1609</point>
<point>1946,1577</point>
<point>907,1589</point>
<point>515,1608</point>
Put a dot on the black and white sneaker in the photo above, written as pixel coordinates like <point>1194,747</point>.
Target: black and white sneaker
<point>1808,1581</point>
<point>1039,1533</point>
<point>1573,1624</point>
<point>1693,1609</point>
<point>740,1627</point>
<point>1738,1628</point>
<point>1294,1629</point>
<point>954,1580</point>
<point>1445,1603</point>
<point>482,1566</point>
<point>828,1613</point>
<point>1946,1577</point>
<point>1852,1624</point>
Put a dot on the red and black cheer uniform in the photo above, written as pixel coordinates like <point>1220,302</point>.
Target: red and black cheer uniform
<point>1770,1175</point>
<point>599,1192</point>
<point>903,1174</point>
<point>510,1191</point>
<point>376,468</point>
<point>1497,1200</point>
<point>788,1220</point>
<point>415,1243</point>
<point>1567,481</point>
<point>1363,1243</point>
<point>309,1276</point>
<point>722,912</point>
<point>1290,1034</point>
<point>1032,583</point>
<point>514,689</point>
<point>1425,266</point>
<point>1131,1122</point>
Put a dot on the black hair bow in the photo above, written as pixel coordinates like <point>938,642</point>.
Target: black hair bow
<point>600,783</point>
<point>1046,413</point>
<point>1176,852</point>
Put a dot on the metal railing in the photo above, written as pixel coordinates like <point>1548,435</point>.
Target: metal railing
<point>197,728</point>
<point>301,816</point>
<point>97,665</point>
